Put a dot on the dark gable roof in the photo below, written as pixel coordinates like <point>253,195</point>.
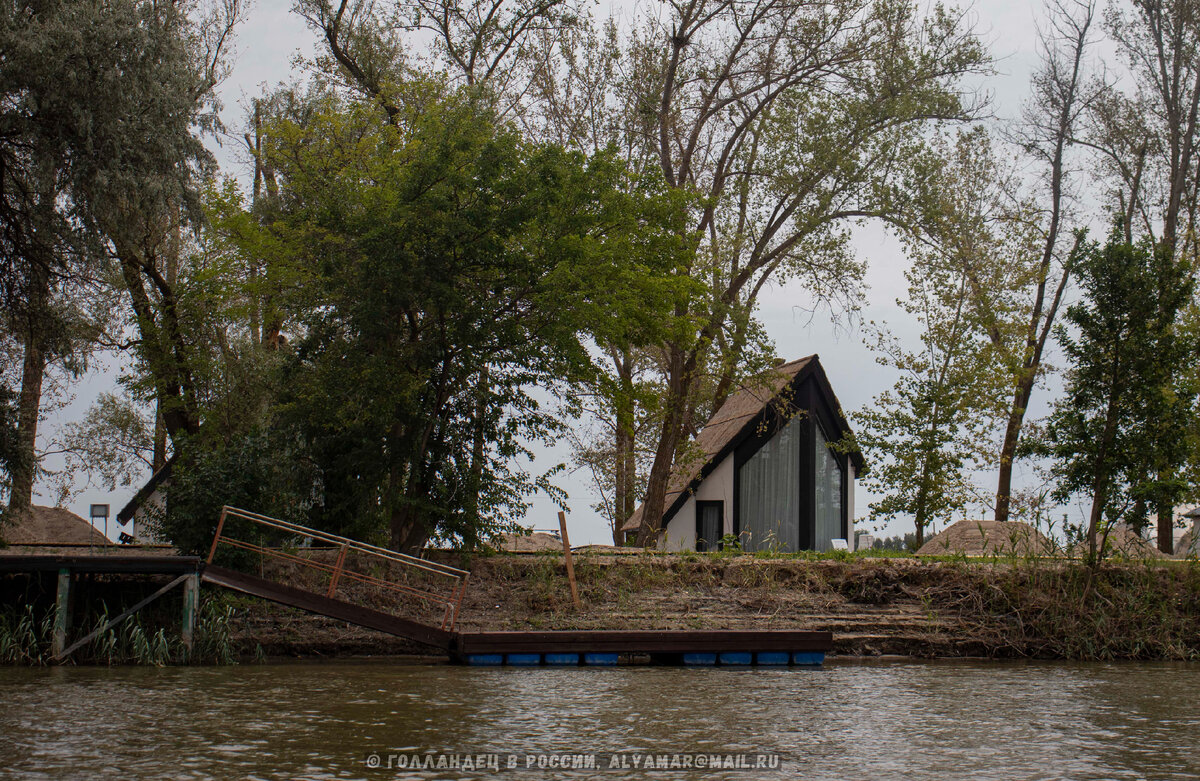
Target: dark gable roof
<point>146,491</point>
<point>740,417</point>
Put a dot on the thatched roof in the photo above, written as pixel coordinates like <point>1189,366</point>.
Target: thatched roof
<point>1123,541</point>
<point>1188,545</point>
<point>987,538</point>
<point>732,422</point>
<point>524,543</point>
<point>51,525</point>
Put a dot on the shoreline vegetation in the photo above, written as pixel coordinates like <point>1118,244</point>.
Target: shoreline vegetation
<point>1000,607</point>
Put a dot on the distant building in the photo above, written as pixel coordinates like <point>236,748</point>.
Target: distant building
<point>150,501</point>
<point>763,470</point>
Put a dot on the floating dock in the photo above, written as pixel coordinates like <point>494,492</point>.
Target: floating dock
<point>724,647</point>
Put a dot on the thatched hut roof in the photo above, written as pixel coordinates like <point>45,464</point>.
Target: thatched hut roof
<point>987,538</point>
<point>1188,545</point>
<point>1123,541</point>
<point>51,525</point>
<point>526,543</point>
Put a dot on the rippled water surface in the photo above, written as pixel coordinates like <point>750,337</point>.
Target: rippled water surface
<point>898,719</point>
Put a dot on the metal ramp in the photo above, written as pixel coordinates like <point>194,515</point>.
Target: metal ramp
<point>353,564</point>
<point>339,561</point>
<point>325,606</point>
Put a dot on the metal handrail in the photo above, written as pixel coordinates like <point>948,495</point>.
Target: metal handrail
<point>337,570</point>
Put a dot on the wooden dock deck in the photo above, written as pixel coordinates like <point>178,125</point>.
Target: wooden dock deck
<point>148,564</point>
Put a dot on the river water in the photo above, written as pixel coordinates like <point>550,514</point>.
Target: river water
<point>847,720</point>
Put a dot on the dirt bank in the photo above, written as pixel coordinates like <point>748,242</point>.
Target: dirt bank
<point>1021,608</point>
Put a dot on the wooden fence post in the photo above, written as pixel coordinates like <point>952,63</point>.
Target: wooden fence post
<point>191,601</point>
<point>562,526</point>
<point>62,612</point>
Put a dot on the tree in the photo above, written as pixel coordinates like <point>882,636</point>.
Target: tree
<point>155,174</point>
<point>450,266</point>
<point>95,128</point>
<point>939,419</point>
<point>789,119</point>
<point>1159,39</point>
<point>10,451</point>
<point>1051,122</point>
<point>114,442</point>
<point>1146,139</point>
<point>1125,358</point>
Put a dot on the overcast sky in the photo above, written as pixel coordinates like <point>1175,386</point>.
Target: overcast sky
<point>267,46</point>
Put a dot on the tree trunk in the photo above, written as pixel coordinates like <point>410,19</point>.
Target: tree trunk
<point>162,335</point>
<point>159,460</point>
<point>664,456</point>
<point>625,491</point>
<point>471,508</point>
<point>28,411</point>
<point>1008,450</point>
<point>1166,527</point>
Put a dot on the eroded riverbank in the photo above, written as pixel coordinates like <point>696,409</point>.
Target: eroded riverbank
<point>892,606</point>
<point>1035,608</point>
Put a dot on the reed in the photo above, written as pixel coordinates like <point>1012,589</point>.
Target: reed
<point>26,635</point>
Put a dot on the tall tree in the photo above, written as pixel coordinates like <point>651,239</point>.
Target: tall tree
<point>1052,120</point>
<point>938,422</point>
<point>452,266</point>
<point>1124,357</point>
<point>1147,138</point>
<point>98,119</point>
<point>789,118</point>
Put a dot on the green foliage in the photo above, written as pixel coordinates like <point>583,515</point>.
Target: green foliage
<point>925,434</point>
<point>1128,399</point>
<point>11,452</point>
<point>438,267</point>
<point>113,442</point>
<point>256,471</point>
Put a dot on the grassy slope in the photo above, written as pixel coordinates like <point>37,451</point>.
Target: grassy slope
<point>1002,608</point>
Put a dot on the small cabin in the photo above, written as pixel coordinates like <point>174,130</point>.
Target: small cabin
<point>770,469</point>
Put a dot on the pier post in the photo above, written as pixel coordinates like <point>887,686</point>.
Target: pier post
<point>62,612</point>
<point>191,599</point>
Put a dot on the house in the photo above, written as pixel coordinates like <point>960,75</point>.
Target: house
<point>763,470</point>
<point>148,502</point>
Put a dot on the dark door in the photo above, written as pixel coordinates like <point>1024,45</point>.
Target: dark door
<point>710,525</point>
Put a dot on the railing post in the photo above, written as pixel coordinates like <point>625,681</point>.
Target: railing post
<point>337,570</point>
<point>220,527</point>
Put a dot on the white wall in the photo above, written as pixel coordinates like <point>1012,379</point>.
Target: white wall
<point>717,487</point>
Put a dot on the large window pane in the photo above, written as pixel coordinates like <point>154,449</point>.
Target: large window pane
<point>829,494</point>
<point>769,492</point>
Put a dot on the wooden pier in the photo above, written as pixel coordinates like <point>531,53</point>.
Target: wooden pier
<point>186,570</point>
<point>554,648</point>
